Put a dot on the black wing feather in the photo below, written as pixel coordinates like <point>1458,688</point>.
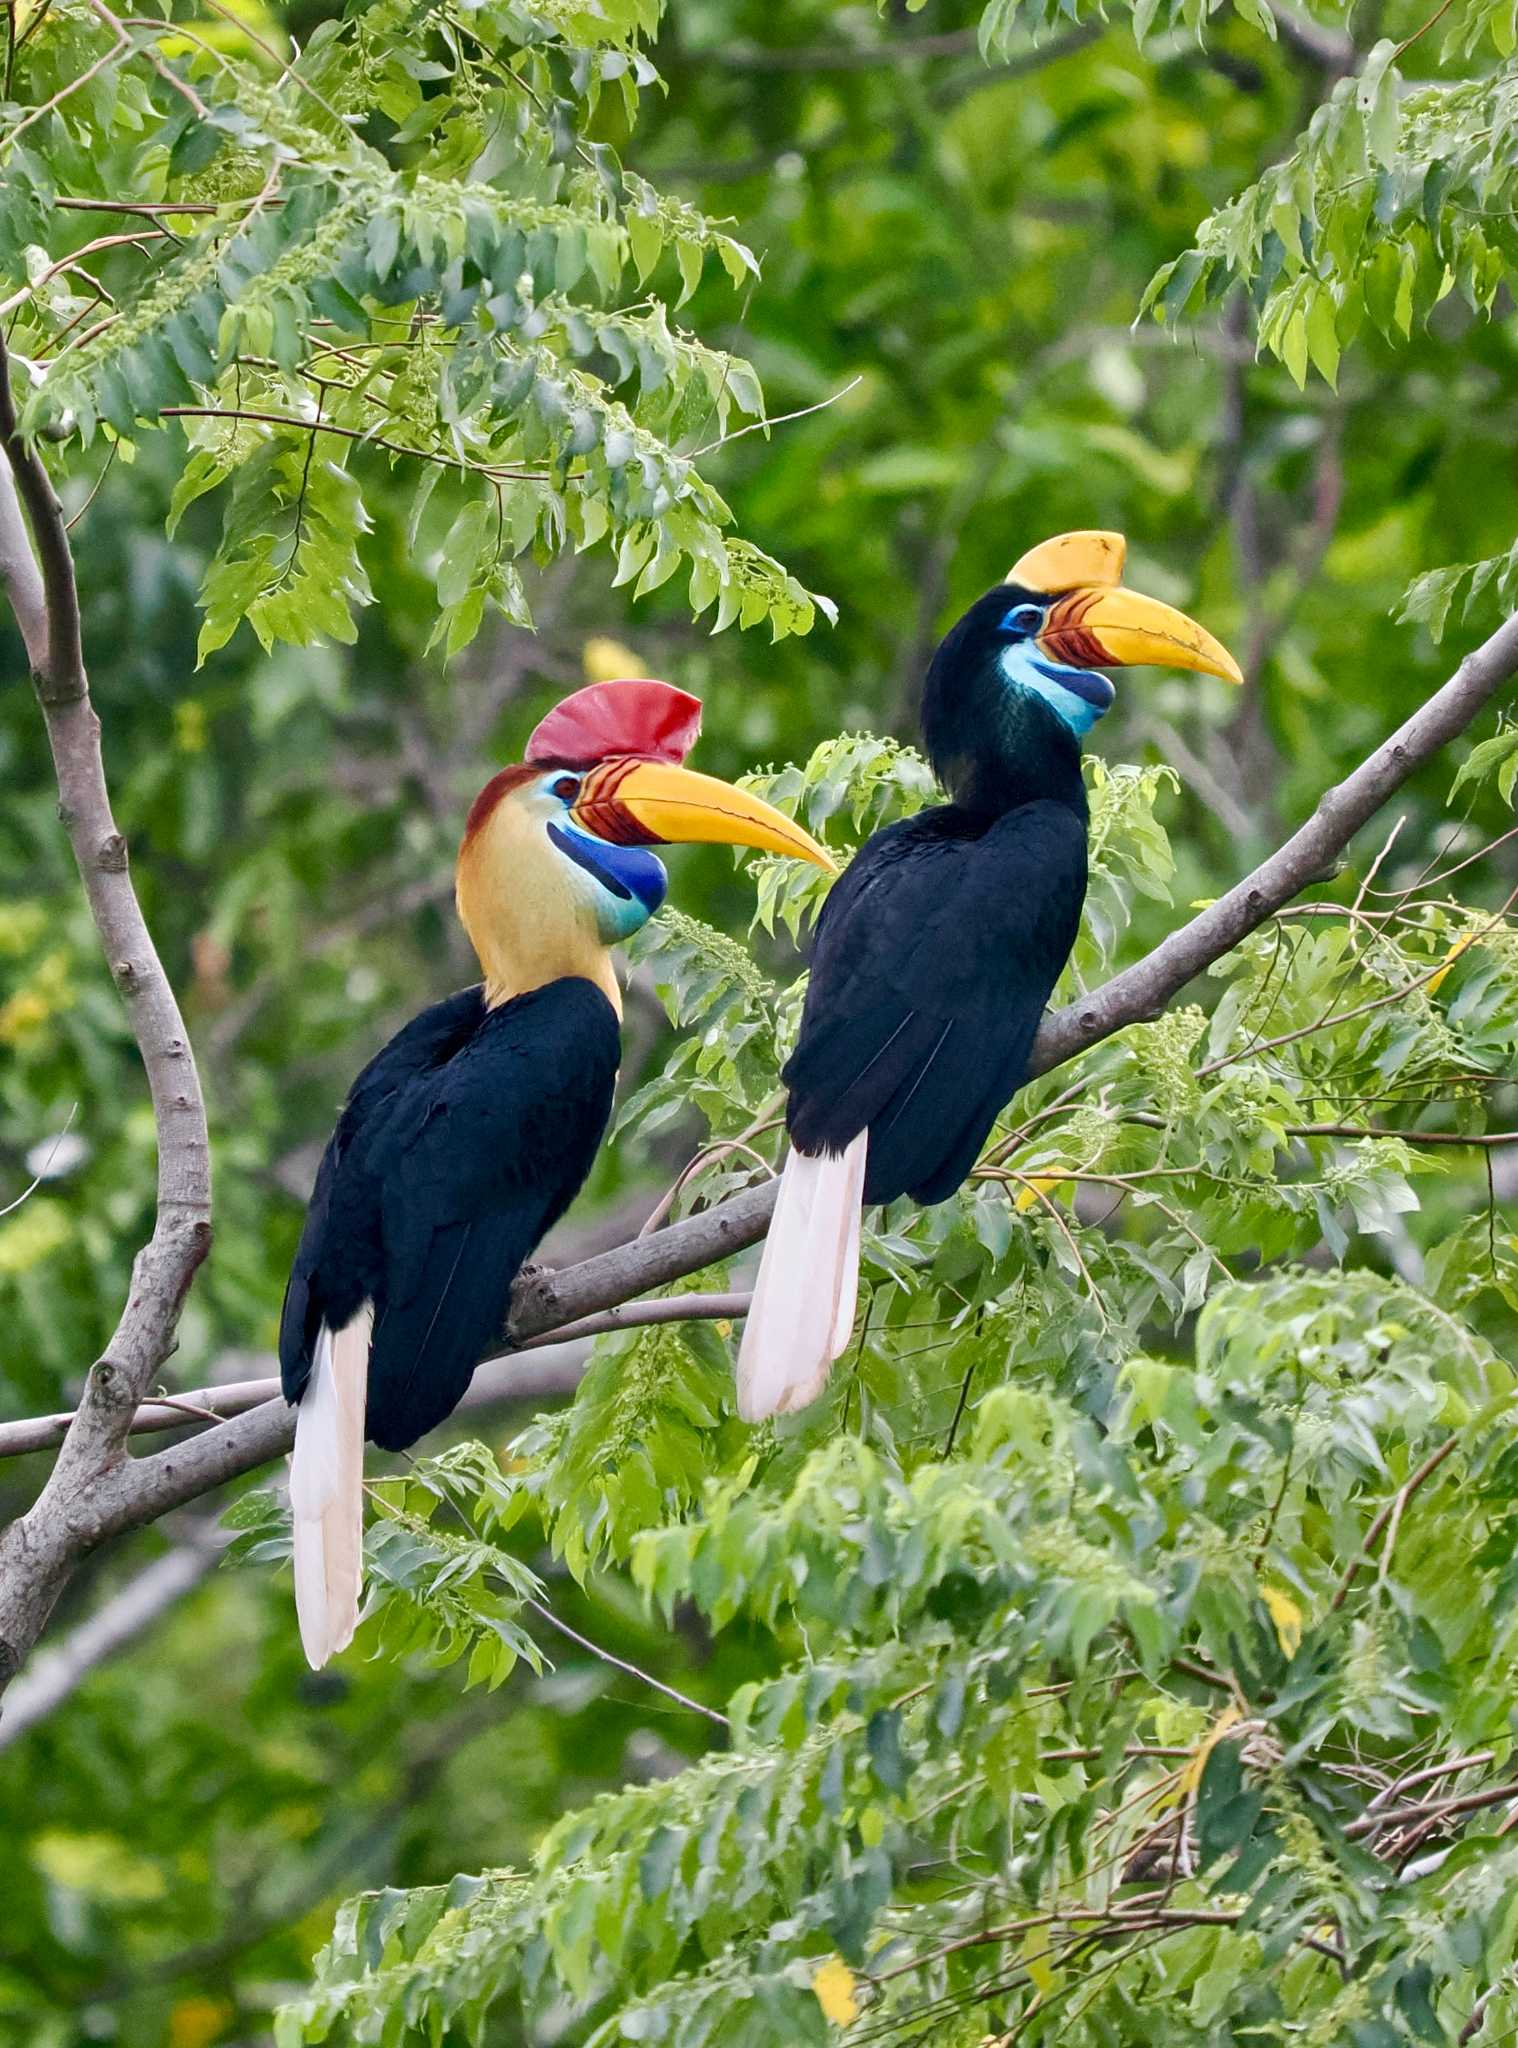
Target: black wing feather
<point>346,1251</point>
<point>936,954</point>
<point>444,1183</point>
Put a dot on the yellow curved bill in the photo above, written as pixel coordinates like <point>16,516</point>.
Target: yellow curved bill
<point>1119,628</point>
<point>669,805</point>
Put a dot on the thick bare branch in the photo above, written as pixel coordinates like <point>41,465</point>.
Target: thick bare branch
<point>1142,992</point>
<point>140,1490</point>
<point>502,1376</point>
<point>554,1370</point>
<point>19,575</point>
<point>1329,48</point>
<point>177,1411</point>
<point>38,1551</point>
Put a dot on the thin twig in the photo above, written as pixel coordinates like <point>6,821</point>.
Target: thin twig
<point>495,471</point>
<point>27,1193</point>
<point>119,49</point>
<point>780,419</point>
<point>1475,1140</point>
<point>1432,1809</point>
<point>1029,1182</point>
<point>165,71</point>
<point>1391,1513</point>
<point>286,68</point>
<point>218,1403</point>
<point>150,209</point>
<point>77,256</point>
<point>709,1155</point>
<point>1397,1786</point>
<point>1332,1018</point>
<point>621,1664</point>
<point>1446,874</point>
<point>105,470</point>
<point>1407,41</point>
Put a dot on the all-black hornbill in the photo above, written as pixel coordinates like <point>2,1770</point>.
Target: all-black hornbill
<point>469,1135</point>
<point>938,948</point>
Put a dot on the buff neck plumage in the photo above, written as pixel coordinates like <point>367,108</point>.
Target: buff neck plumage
<point>524,907</point>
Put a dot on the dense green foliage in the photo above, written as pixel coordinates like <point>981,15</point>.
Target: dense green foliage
<point>1058,1685</point>
<point>1042,1480</point>
<point>443,299</point>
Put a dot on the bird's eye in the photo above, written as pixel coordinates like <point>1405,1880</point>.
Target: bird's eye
<point>1023,618</point>
<point>564,786</point>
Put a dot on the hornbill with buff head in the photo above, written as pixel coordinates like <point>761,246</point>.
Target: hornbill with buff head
<point>938,949</point>
<point>469,1135</point>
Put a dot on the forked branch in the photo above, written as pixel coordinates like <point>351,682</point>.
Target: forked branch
<point>38,1552</point>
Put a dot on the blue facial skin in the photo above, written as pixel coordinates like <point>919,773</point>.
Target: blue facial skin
<point>1079,696</point>
<point>626,883</point>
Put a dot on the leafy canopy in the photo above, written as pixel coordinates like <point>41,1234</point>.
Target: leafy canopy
<point>399,247</point>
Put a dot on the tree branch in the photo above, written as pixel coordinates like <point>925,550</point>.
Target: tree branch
<point>509,1381</point>
<point>1140,993</point>
<point>38,1552</point>
<point>133,1492</point>
<point>1331,49</point>
<point>19,574</point>
<point>553,1373</point>
<point>139,1490</point>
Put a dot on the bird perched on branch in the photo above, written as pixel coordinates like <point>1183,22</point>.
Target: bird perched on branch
<point>940,946</point>
<point>466,1139</point>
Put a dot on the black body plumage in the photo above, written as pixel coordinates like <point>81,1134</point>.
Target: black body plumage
<point>460,1146</point>
<point>938,949</point>
<point>936,953</point>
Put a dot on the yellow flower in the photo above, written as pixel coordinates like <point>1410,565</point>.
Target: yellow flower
<point>608,661</point>
<point>1449,960</point>
<point>1191,1777</point>
<point>1286,1615</point>
<point>197,2021</point>
<point>833,1982</point>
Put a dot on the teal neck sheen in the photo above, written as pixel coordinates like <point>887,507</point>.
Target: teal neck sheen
<point>1002,723</point>
<point>1067,692</point>
<point>623,885</point>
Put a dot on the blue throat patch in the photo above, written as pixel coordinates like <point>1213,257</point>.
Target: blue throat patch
<point>1078,696</point>
<point>630,882</point>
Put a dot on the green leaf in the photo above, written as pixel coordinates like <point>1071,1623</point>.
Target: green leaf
<point>1485,758</point>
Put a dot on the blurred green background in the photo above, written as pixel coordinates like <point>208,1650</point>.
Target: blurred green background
<point>953,253</point>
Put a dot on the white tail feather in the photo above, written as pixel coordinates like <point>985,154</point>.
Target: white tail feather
<point>804,1298</point>
<point>327,1489</point>
<point>848,1265</point>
